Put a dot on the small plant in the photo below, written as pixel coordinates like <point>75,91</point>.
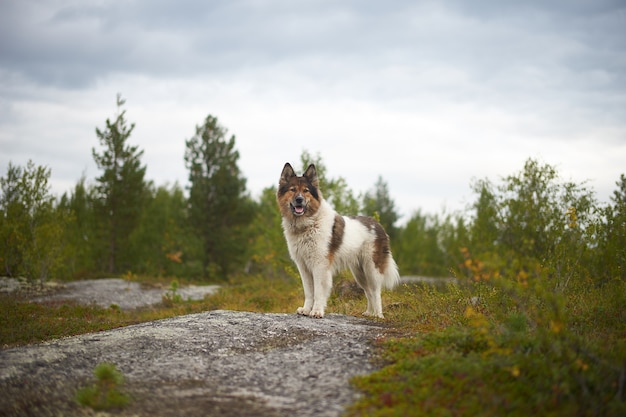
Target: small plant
<point>130,276</point>
<point>105,394</point>
<point>172,296</point>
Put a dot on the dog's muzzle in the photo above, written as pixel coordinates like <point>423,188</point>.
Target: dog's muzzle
<point>299,207</point>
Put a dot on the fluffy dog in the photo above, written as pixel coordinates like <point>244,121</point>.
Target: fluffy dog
<point>322,242</point>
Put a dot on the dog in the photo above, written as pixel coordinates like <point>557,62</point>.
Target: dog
<point>322,242</point>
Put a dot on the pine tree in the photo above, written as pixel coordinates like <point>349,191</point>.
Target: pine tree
<point>218,206</point>
<point>120,189</point>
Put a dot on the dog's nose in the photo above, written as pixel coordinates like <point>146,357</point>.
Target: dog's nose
<point>299,199</point>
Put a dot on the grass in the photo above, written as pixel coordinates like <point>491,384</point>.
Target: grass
<point>254,293</point>
<point>518,350</point>
<point>23,322</point>
<point>553,354</point>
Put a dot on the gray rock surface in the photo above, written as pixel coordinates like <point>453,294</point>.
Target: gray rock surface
<point>125,294</point>
<point>218,363</point>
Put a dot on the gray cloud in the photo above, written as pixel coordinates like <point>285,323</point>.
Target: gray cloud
<point>77,44</point>
<point>498,75</point>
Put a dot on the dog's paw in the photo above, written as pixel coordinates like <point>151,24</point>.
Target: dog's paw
<point>318,313</point>
<point>370,314</point>
<point>303,311</point>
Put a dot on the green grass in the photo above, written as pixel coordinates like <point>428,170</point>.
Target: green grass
<point>23,322</point>
<point>257,294</point>
<point>556,354</point>
<point>521,350</point>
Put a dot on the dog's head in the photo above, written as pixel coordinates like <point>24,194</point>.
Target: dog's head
<point>298,196</point>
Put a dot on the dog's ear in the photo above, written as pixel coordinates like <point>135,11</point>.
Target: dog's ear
<point>287,174</point>
<point>311,175</point>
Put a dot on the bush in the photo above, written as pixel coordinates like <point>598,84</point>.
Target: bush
<point>31,228</point>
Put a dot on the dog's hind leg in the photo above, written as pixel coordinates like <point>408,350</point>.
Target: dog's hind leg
<point>371,286</point>
<point>374,301</point>
<point>359,275</point>
<point>307,284</point>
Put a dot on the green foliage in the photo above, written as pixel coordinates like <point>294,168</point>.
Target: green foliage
<point>172,296</point>
<point>540,336</point>
<point>268,246</point>
<point>534,223</point>
<point>427,245</point>
<point>608,261</point>
<point>520,350</point>
<point>484,229</point>
<point>30,227</point>
<point>120,190</point>
<point>219,208</point>
<point>106,393</point>
<point>163,243</point>
<point>80,233</point>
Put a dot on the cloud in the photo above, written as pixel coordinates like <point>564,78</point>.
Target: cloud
<point>427,94</point>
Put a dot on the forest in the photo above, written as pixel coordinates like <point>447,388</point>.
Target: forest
<point>529,223</point>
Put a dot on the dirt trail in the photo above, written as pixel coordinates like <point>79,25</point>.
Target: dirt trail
<point>218,363</point>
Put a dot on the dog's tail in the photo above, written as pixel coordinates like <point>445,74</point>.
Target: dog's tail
<point>391,274</point>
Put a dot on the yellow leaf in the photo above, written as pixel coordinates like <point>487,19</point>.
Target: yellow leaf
<point>555,326</point>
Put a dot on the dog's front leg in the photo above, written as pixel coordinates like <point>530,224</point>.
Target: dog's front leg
<point>307,285</point>
<point>322,282</point>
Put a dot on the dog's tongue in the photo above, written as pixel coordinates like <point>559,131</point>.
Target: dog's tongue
<point>299,210</point>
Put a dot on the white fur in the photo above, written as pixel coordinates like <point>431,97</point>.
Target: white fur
<point>308,240</point>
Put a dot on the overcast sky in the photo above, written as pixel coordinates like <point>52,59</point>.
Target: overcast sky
<point>426,94</point>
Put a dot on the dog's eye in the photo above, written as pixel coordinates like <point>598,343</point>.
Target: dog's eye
<point>292,189</point>
<point>306,190</point>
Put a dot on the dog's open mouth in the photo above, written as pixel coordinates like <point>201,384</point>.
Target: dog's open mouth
<point>298,209</point>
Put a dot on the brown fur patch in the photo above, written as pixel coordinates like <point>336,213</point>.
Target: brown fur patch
<point>381,242</point>
<point>337,236</point>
